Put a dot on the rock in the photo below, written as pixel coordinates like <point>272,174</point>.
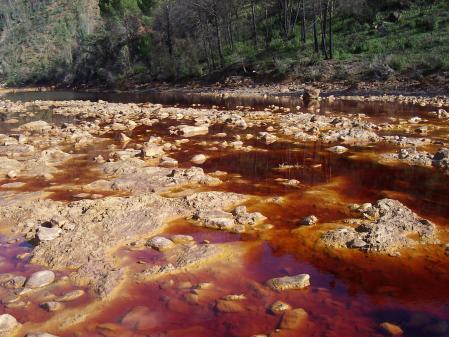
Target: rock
<point>391,329</point>
<point>268,138</point>
<point>412,157</point>
<point>225,306</point>
<point>309,220</point>
<point>216,219</point>
<point>48,234</point>
<point>153,151</point>
<point>39,334</point>
<point>11,174</point>
<point>243,217</point>
<point>52,306</point>
<point>389,226</point>
<point>235,297</point>
<point>191,298</point>
<point>199,159</point>
<point>289,282</point>
<point>40,279</point>
<point>293,319</point>
<point>35,126</point>
<point>123,138</point>
<point>337,149</point>
<point>179,238</point>
<point>15,282</point>
<point>168,162</point>
<point>415,120</point>
<point>279,307</point>
<point>7,324</point>
<point>71,296</point>
<point>441,159</point>
<point>160,243</point>
<point>191,131</point>
<point>311,93</point>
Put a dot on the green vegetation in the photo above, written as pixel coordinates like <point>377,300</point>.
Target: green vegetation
<point>165,40</point>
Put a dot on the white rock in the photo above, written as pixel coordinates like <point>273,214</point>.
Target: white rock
<point>160,243</point>
<point>168,162</point>
<point>40,279</point>
<point>7,324</point>
<point>190,131</point>
<point>337,149</point>
<point>199,159</point>
<point>48,234</point>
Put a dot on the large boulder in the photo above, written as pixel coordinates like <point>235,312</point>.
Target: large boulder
<point>389,225</point>
<point>441,158</point>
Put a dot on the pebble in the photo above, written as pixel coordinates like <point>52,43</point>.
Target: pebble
<point>391,329</point>
<point>309,220</point>
<point>52,306</point>
<point>279,307</point>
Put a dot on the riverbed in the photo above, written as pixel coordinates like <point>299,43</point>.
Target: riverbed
<point>121,169</point>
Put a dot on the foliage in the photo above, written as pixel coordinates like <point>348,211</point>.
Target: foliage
<point>178,39</point>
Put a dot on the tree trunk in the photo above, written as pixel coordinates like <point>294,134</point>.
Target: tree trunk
<point>315,34</point>
<point>253,14</point>
<point>267,28</point>
<point>303,22</point>
<point>168,28</point>
<point>331,32</point>
<point>218,37</point>
<point>323,15</point>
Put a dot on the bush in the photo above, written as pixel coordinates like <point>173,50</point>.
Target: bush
<point>426,23</point>
<point>398,62</point>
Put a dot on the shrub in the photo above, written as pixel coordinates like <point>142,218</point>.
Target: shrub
<point>426,23</point>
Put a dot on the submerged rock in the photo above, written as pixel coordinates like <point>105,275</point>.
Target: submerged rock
<point>140,318</point>
<point>337,149</point>
<point>279,307</point>
<point>289,282</point>
<point>39,334</point>
<point>52,306</point>
<point>309,220</point>
<point>226,306</point>
<point>293,319</point>
<point>391,329</point>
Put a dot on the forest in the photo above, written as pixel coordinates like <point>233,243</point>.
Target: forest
<point>170,40</point>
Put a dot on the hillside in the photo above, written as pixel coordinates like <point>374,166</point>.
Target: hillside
<point>126,42</point>
<point>37,37</point>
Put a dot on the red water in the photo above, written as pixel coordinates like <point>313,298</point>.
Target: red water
<point>351,292</point>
